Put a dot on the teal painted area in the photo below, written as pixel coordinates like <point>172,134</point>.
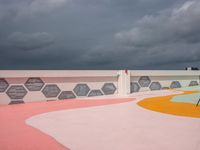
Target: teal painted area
<point>190,88</point>
<point>189,98</point>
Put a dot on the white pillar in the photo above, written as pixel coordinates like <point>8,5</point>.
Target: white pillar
<point>124,82</point>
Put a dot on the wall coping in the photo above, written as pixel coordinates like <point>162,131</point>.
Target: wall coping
<point>92,73</point>
<point>57,73</point>
<point>165,72</point>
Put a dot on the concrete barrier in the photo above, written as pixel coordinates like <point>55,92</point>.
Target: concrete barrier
<point>21,86</point>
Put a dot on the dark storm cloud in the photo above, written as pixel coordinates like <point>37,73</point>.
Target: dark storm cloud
<point>12,9</point>
<point>33,41</point>
<point>170,37</point>
<point>93,34</point>
<point>179,24</point>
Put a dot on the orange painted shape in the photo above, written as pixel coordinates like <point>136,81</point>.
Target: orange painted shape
<point>164,105</point>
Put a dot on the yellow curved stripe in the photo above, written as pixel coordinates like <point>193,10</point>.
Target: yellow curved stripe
<point>164,105</point>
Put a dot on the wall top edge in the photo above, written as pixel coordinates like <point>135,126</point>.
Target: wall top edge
<point>57,73</point>
<point>165,72</point>
<point>92,73</point>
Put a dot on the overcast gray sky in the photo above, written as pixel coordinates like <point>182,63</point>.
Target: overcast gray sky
<point>99,34</point>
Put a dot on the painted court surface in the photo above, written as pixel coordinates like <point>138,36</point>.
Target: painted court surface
<point>145,121</point>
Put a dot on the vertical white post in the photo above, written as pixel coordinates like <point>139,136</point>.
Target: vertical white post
<point>124,82</point>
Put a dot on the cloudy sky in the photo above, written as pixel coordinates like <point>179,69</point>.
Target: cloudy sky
<point>99,34</point>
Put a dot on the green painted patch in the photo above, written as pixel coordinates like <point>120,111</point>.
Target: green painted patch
<point>189,98</point>
<point>190,88</point>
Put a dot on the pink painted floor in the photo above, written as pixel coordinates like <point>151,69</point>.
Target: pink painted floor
<point>113,124</point>
<point>15,134</point>
<point>124,126</point>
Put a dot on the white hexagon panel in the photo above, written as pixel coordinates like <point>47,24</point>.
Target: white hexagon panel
<point>3,85</point>
<point>81,89</point>
<point>155,86</point>
<point>51,91</point>
<point>34,84</point>
<point>108,88</point>
<point>134,87</point>
<point>144,81</point>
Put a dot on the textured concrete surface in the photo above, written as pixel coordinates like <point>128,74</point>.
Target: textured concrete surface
<point>123,126</point>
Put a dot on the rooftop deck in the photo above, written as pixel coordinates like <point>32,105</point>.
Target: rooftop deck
<point>120,123</point>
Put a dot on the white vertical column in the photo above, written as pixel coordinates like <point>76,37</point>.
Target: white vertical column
<point>124,82</point>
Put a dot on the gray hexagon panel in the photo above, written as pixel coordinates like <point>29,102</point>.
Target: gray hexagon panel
<point>81,89</point>
<point>175,84</point>
<point>155,86</point>
<point>134,87</point>
<point>193,83</point>
<point>95,93</point>
<point>51,90</point>
<point>165,88</point>
<point>16,92</point>
<point>144,81</point>
<point>3,85</point>
<point>108,88</point>
<point>66,95</point>
<point>16,102</point>
<point>34,84</point>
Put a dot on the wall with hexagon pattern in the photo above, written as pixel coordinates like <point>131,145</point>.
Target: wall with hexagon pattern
<point>23,90</point>
<point>17,87</point>
<point>151,83</point>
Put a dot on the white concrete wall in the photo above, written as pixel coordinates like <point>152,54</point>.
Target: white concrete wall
<point>13,88</point>
<point>64,80</point>
<point>165,78</point>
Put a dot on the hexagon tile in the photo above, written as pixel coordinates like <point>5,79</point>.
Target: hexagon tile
<point>81,89</point>
<point>95,93</point>
<point>134,87</point>
<point>34,84</point>
<point>51,90</point>
<point>16,102</point>
<point>144,81</point>
<point>16,92</point>
<point>3,85</point>
<point>66,95</point>
<point>155,86</point>
<point>193,83</point>
<point>165,88</point>
<point>108,88</point>
<point>175,84</point>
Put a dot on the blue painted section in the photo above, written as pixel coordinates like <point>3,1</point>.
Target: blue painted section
<point>189,98</point>
<point>191,88</point>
